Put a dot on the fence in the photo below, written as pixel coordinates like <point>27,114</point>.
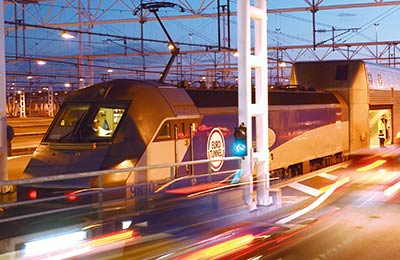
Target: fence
<point>100,191</point>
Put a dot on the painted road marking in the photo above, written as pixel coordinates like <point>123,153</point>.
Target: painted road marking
<point>306,189</point>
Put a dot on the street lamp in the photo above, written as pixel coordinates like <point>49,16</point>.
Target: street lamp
<point>171,46</point>
<point>67,35</point>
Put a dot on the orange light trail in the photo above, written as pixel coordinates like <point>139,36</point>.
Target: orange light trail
<point>110,239</point>
<point>371,166</point>
<point>219,250</point>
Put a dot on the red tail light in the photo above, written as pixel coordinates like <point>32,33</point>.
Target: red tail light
<point>71,196</point>
<point>32,194</point>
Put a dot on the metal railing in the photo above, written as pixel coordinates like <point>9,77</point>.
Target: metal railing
<point>100,190</point>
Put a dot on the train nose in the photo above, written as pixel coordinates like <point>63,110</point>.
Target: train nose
<point>49,160</point>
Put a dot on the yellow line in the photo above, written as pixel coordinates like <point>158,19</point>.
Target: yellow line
<point>371,166</point>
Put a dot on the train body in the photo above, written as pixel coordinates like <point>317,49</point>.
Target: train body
<point>370,90</point>
<point>151,123</point>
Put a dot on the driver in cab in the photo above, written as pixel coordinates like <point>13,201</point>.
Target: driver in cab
<point>100,131</point>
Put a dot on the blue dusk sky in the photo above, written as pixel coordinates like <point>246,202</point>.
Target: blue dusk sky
<point>284,29</point>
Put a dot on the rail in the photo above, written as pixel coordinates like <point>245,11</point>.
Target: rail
<point>95,226</point>
<point>101,190</point>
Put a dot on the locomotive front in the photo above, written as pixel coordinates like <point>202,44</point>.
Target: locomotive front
<point>100,127</point>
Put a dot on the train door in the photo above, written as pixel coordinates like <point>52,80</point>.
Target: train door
<point>380,127</point>
<point>183,141</point>
<point>170,145</point>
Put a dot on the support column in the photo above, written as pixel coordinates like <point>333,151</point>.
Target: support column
<point>22,105</point>
<point>260,107</point>
<point>244,97</point>
<point>50,101</point>
<point>80,59</point>
<point>258,110</point>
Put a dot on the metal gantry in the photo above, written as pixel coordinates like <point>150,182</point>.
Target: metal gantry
<point>88,17</point>
<point>113,41</point>
<point>137,53</point>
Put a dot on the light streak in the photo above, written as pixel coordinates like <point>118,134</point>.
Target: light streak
<point>220,249</point>
<point>371,166</point>
<point>316,203</point>
<point>53,243</point>
<point>392,189</point>
<point>111,238</point>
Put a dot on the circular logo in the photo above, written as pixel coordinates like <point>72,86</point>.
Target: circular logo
<point>216,148</point>
<point>271,137</point>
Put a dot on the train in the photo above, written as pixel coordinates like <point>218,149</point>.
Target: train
<point>314,122</point>
<point>150,123</point>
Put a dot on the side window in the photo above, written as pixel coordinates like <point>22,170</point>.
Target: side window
<point>175,130</point>
<point>380,81</point>
<point>165,132</point>
<point>183,130</point>
<point>370,80</point>
<point>106,121</point>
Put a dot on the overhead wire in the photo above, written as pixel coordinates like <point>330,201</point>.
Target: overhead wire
<point>371,23</point>
<point>196,31</point>
<point>62,7</point>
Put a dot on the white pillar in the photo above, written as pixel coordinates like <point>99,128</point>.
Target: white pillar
<point>22,104</point>
<point>259,110</point>
<point>50,101</point>
<point>244,88</point>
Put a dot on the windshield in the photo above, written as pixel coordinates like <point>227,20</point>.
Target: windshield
<point>106,121</point>
<point>80,123</point>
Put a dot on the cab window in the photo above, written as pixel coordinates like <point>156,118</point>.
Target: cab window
<point>106,121</point>
<point>85,123</point>
<point>174,130</point>
<point>63,129</point>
